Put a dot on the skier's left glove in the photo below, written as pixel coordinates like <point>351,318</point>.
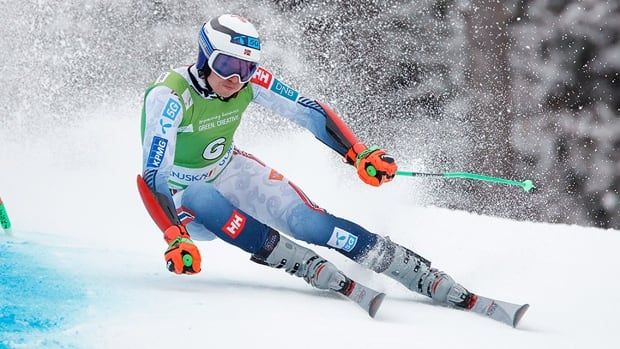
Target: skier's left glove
<point>374,165</point>
<point>182,256</point>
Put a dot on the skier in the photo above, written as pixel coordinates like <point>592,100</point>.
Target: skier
<point>197,185</point>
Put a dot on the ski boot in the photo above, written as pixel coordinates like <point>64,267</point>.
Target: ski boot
<point>415,273</point>
<point>280,252</point>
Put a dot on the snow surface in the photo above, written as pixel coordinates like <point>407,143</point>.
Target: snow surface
<point>84,267</point>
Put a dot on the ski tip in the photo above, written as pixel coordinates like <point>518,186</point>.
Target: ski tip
<point>519,314</point>
<point>375,304</point>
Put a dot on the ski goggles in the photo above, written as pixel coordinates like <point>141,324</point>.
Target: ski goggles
<point>226,66</point>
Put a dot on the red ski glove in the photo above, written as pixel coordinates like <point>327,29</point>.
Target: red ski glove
<point>182,256</point>
<point>374,165</point>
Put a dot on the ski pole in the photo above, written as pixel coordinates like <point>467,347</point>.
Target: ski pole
<point>5,222</point>
<point>527,185</point>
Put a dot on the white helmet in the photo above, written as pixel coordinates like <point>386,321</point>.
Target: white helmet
<point>231,35</point>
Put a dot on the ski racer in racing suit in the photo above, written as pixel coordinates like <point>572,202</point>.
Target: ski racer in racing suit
<point>205,187</point>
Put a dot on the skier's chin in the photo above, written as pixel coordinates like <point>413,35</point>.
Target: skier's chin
<point>226,92</point>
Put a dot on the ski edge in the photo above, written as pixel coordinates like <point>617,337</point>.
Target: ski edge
<point>375,304</point>
<point>519,314</point>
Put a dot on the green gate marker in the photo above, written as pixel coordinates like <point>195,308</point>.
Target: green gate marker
<point>5,222</point>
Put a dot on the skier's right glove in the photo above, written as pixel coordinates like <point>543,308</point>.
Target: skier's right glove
<point>374,165</point>
<point>182,256</point>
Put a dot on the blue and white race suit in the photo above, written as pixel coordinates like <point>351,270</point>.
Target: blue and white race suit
<point>238,198</point>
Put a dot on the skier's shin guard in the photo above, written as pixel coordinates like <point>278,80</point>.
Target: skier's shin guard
<point>415,273</point>
<point>281,252</point>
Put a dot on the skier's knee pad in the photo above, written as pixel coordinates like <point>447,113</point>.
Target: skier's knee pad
<point>309,225</point>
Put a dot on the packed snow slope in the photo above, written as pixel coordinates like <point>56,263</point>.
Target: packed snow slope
<point>84,267</point>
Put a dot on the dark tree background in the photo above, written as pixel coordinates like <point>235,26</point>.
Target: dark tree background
<point>566,85</point>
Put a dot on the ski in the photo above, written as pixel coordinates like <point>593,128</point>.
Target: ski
<point>501,311</point>
<point>367,298</point>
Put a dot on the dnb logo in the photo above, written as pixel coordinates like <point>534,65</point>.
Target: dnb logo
<point>284,91</point>
<point>342,240</point>
<point>235,224</point>
<point>156,154</point>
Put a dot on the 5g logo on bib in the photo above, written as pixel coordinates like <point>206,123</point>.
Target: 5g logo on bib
<point>214,149</point>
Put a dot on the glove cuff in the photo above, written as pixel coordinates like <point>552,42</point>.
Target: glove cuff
<point>175,231</point>
<point>351,155</point>
<point>364,154</point>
